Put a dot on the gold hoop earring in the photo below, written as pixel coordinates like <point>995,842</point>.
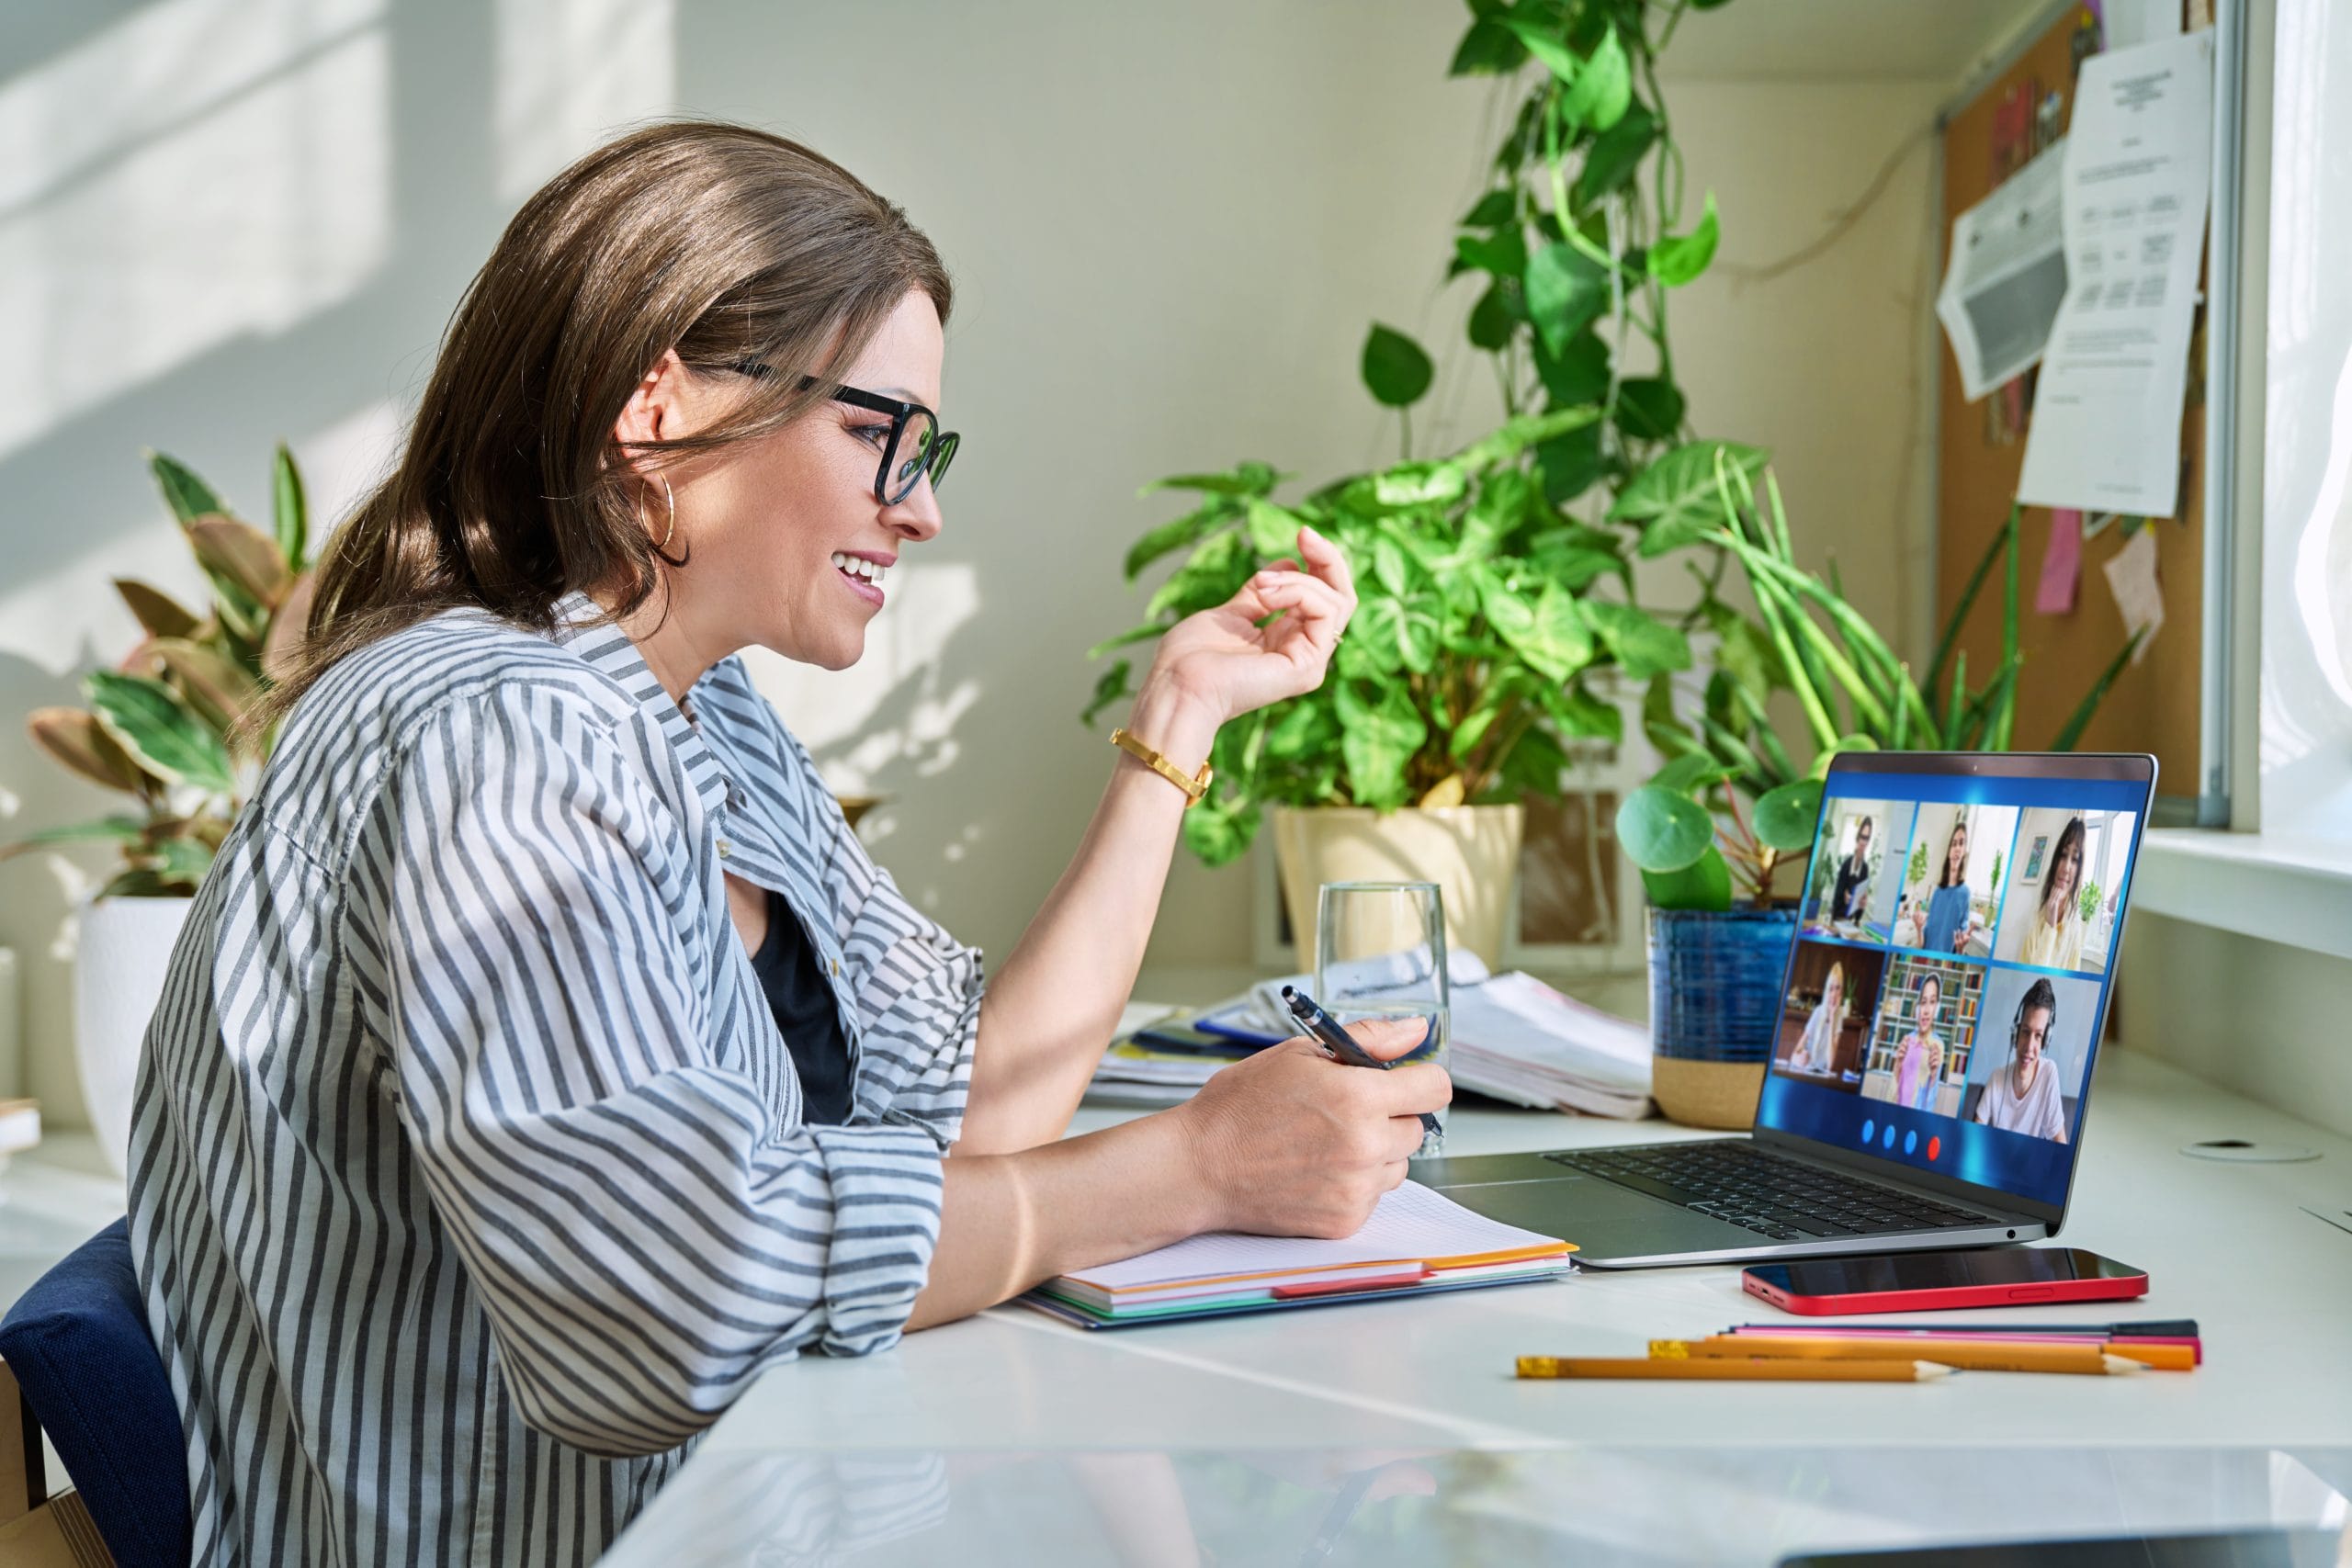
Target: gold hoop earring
<point>671,499</point>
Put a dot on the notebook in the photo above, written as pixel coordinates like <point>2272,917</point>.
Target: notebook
<point>1415,1242</point>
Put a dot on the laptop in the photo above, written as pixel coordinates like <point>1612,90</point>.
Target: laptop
<point>1929,1058</point>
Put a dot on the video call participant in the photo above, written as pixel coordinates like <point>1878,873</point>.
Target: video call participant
<point>1919,1059</point>
<point>1945,926</point>
<point>1816,1048</point>
<point>2054,938</point>
<point>1853,887</point>
<point>2024,1097</point>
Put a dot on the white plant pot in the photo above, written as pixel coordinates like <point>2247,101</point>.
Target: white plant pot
<point>118,967</point>
<point>1470,851</point>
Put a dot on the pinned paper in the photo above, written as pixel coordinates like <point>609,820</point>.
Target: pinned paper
<point>2061,564</point>
<point>2132,575</point>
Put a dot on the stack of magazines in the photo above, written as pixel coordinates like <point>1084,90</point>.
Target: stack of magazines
<point>1514,1038</point>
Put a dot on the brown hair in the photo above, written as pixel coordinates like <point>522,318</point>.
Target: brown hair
<point>724,242</point>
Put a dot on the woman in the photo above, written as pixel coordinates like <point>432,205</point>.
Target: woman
<point>1945,927</point>
<point>1852,890</point>
<point>1919,1059</point>
<point>2053,937</point>
<point>1816,1048</point>
<point>476,1169</point>
<point>2024,1098</point>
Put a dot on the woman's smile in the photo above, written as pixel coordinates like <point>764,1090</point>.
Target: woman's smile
<point>864,574</point>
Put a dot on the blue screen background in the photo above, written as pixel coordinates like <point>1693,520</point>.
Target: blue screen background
<point>2034,1168</point>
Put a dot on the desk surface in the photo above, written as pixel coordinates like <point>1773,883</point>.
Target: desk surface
<point>1049,1413</point>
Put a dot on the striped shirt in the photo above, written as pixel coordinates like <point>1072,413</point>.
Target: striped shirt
<point>468,1179</point>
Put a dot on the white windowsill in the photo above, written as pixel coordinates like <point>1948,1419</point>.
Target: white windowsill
<point>2290,889</point>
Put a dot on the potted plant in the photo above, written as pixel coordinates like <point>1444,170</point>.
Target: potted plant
<point>156,729</point>
<point>1495,585</point>
<point>1730,806</point>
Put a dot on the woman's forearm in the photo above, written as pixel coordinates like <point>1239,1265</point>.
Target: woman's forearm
<point>1051,1007</point>
<point>1011,1221</point>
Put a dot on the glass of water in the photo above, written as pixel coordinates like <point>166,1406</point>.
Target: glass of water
<point>1380,952</point>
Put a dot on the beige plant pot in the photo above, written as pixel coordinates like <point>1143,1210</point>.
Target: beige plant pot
<point>120,965</point>
<point>1470,851</point>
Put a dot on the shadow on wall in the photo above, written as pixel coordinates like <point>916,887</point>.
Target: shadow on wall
<point>222,223</point>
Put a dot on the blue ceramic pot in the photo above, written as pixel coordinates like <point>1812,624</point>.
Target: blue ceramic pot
<point>1715,981</point>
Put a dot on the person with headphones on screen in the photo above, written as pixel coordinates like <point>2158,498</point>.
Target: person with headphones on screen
<point>2024,1097</point>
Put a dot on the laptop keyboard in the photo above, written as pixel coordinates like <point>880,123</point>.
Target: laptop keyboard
<point>1770,1194</point>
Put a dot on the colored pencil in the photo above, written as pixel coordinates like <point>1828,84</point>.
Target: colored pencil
<point>1729,1371</point>
<point>2165,1354</point>
<point>1970,1355</point>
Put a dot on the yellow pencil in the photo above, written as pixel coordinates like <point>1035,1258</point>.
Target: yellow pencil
<point>1726,1370</point>
<point>1971,1355</point>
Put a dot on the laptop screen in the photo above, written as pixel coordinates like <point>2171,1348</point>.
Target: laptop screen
<point>1956,944</point>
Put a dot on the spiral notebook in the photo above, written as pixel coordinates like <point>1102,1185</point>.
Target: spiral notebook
<point>1417,1242</point>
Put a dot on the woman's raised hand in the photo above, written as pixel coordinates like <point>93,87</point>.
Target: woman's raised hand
<point>1223,656</point>
<point>1290,1142</point>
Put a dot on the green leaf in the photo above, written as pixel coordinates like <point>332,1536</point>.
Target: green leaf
<point>1389,567</point>
<point>1274,530</point>
<point>1175,534</point>
<point>1394,369</point>
<point>1546,45</point>
<point>1132,635</point>
<point>1516,434</point>
<point>1502,253</point>
<point>1579,713</point>
<point>1784,817</point>
<point>1491,324</point>
<point>159,730</point>
<point>1566,292</point>
<point>1603,89</point>
<point>1419,484</point>
<point>1705,884</point>
<point>105,830</point>
<point>1377,742</point>
<point>1109,687</point>
<point>1214,573</point>
<point>1494,209</point>
<point>1220,833</point>
<point>1645,645</point>
<point>1664,830</point>
<point>1243,479</point>
<point>1571,464</point>
<point>1677,259</point>
<point>1690,773</point>
<point>1488,48</point>
<point>1578,372</point>
<point>1650,407</point>
<point>289,511</point>
<point>1829,754</point>
<point>189,497</point>
<point>1554,637</point>
<point>1676,497</point>
<point>1533,767</point>
<point>1613,156</point>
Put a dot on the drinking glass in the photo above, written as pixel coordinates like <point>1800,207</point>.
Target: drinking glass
<point>1380,952</point>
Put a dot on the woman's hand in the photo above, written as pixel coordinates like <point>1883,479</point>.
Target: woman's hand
<point>1225,659</point>
<point>1290,1142</point>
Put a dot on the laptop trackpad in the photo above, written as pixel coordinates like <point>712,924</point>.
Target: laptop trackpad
<point>1601,1218</point>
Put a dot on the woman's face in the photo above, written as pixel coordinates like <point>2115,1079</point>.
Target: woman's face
<point>768,520</point>
<point>1931,1002</point>
<point>1833,993</point>
<point>1956,853</point>
<point>1861,841</point>
<point>2067,872</point>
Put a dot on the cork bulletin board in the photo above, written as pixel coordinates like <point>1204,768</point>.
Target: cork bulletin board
<point>2160,702</point>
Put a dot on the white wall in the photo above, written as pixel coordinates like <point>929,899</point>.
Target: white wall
<point>237,220</point>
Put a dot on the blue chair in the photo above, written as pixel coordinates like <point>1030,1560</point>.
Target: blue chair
<point>88,1373</point>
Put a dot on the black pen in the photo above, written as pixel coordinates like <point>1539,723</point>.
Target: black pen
<point>1315,1021</point>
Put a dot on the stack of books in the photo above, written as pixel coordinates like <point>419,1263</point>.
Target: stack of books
<point>1416,1243</point>
<point>1514,1039</point>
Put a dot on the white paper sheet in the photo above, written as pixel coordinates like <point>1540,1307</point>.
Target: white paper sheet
<point>2006,276</point>
<point>2132,573</point>
<point>2106,430</point>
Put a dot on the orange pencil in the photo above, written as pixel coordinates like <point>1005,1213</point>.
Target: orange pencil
<point>1972,1355</point>
<point>1759,1370</point>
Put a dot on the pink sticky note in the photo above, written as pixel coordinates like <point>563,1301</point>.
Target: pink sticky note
<point>2062,565</point>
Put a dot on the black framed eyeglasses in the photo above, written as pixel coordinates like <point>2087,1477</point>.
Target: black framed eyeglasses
<point>916,444</point>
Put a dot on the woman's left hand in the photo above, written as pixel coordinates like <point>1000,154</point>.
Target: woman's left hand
<point>1224,658</point>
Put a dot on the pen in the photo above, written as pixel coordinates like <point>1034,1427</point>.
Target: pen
<point>2164,1328</point>
<point>1315,1021</point>
<point>1730,1371</point>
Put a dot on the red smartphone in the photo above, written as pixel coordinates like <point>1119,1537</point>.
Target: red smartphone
<point>1916,1281</point>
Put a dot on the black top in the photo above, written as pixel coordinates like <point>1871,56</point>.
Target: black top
<point>802,999</point>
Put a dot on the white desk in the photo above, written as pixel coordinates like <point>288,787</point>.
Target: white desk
<point>1011,1435</point>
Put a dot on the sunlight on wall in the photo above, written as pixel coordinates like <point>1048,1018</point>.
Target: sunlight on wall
<point>899,706</point>
<point>205,169</point>
<point>570,72</point>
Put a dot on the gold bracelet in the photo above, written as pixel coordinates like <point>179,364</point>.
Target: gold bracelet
<point>1193,788</point>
